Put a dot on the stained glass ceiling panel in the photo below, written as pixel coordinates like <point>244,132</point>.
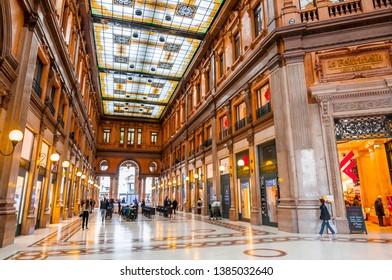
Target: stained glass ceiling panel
<point>129,109</point>
<point>127,49</point>
<point>135,87</point>
<point>143,49</point>
<point>195,16</point>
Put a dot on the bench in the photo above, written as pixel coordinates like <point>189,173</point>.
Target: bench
<point>148,211</point>
<point>165,211</point>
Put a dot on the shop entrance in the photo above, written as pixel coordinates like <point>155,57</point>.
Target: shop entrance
<point>365,161</point>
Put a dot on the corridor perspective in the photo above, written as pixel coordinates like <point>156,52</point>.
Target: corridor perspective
<point>276,114</point>
<point>190,237</point>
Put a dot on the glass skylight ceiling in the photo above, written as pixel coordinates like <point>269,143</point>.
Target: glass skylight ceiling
<point>143,48</point>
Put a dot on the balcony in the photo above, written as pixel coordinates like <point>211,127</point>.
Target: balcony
<point>263,110</point>
<point>37,88</point>
<point>327,10</point>
<point>223,134</point>
<point>240,124</point>
<point>208,142</point>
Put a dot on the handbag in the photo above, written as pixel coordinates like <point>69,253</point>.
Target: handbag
<point>80,215</point>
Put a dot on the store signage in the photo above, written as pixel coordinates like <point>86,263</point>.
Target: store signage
<point>348,169</point>
<point>345,63</point>
<point>355,219</point>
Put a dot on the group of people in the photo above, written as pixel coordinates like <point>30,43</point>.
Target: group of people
<point>171,204</point>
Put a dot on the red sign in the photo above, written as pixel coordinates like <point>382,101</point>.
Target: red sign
<point>349,167</point>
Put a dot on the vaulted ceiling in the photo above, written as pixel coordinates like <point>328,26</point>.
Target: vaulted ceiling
<point>143,48</point>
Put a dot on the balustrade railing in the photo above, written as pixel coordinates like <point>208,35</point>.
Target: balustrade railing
<point>339,9</point>
<point>344,8</point>
<point>310,15</point>
<point>240,124</point>
<point>380,4</point>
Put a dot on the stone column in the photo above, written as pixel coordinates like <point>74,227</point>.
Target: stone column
<point>15,118</point>
<point>298,208</point>
<point>113,190</point>
<point>255,211</point>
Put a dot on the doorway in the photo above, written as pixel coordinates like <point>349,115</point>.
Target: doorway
<point>365,170</point>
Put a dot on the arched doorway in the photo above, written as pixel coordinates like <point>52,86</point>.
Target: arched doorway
<point>128,174</point>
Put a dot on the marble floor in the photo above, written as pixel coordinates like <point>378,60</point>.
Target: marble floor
<point>191,237</point>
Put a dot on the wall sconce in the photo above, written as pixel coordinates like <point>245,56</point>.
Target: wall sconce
<point>186,178</point>
<point>174,182</point>
<point>221,168</point>
<point>169,183</point>
<point>54,157</point>
<point>83,176</point>
<point>65,164</point>
<point>196,176</point>
<point>241,162</point>
<point>79,173</point>
<point>15,136</point>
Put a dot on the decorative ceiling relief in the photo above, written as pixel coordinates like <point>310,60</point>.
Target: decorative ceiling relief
<point>143,48</point>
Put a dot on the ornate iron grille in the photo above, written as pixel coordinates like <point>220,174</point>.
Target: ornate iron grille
<point>364,127</point>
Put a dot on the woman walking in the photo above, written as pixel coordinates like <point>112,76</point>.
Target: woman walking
<point>86,211</point>
<point>325,217</point>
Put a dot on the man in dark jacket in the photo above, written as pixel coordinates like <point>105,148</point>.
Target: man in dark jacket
<point>325,217</point>
<point>379,210</point>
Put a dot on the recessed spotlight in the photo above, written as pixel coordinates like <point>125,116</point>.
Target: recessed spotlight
<point>153,69</point>
<point>168,18</point>
<point>135,35</point>
<point>131,66</point>
<point>162,39</point>
<point>142,105</point>
<point>138,12</point>
<point>141,110</point>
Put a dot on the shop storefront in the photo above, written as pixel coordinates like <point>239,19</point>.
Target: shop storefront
<point>23,178</point>
<point>269,183</point>
<point>243,185</point>
<point>364,146</point>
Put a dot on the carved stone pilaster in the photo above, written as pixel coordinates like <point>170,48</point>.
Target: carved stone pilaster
<point>251,139</point>
<point>43,126</point>
<point>56,137</point>
<point>228,114</point>
<point>30,20</point>
<point>5,96</point>
<point>248,102</point>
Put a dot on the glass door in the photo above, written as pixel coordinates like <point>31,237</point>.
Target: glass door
<point>244,200</point>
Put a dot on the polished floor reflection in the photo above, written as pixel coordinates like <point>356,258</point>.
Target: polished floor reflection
<point>187,237</point>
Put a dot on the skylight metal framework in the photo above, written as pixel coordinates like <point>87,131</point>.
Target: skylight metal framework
<point>143,48</point>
